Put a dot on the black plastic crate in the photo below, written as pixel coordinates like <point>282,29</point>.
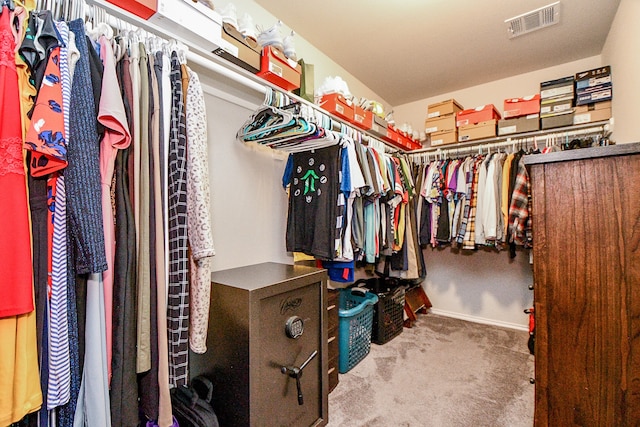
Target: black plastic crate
<point>388,316</point>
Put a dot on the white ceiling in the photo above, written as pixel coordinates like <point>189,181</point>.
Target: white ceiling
<point>407,50</point>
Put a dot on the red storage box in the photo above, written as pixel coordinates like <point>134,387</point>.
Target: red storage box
<point>142,8</point>
<point>477,115</point>
<point>397,139</point>
<point>518,107</point>
<point>362,118</point>
<point>338,105</point>
<point>278,69</point>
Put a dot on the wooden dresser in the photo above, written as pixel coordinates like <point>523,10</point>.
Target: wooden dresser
<point>586,254</point>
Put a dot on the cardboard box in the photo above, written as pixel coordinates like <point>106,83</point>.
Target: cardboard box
<point>518,107</point>
<point>192,21</point>
<point>557,120</point>
<point>247,54</point>
<point>338,105</point>
<point>596,73</point>
<point>592,116</point>
<point>362,118</point>
<point>444,138</point>
<point>486,129</point>
<point>378,126</point>
<point>142,8</point>
<point>280,70</point>
<point>439,124</point>
<point>477,115</point>
<point>593,94</point>
<point>443,108</point>
<point>594,81</point>
<point>557,87</point>
<point>592,113</point>
<point>586,108</point>
<point>552,106</point>
<point>528,123</point>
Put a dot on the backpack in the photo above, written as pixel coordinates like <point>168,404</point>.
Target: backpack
<point>192,404</point>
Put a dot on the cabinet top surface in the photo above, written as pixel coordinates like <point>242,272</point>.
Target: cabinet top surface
<point>583,153</point>
<point>258,276</point>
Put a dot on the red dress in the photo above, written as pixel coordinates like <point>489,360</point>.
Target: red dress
<point>16,294</point>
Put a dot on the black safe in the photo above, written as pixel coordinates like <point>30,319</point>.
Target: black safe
<point>266,346</point>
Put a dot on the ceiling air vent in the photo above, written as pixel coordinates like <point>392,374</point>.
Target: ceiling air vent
<point>534,20</point>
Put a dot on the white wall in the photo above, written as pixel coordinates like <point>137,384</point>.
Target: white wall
<point>621,51</point>
<point>248,204</point>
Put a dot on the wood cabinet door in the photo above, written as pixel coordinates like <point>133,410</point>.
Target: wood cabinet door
<point>586,224</point>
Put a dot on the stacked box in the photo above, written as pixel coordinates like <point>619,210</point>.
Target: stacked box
<point>594,86</point>
<point>485,129</point>
<point>440,125</point>
<point>589,113</point>
<point>529,123</point>
<point>520,115</point>
<point>476,115</point>
<point>556,103</point>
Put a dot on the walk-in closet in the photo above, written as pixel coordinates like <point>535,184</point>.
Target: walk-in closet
<point>345,214</point>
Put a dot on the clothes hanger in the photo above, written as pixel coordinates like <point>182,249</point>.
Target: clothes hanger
<point>266,120</point>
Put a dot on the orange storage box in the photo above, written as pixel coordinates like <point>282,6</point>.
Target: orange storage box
<point>518,107</point>
<point>362,118</point>
<point>338,105</point>
<point>397,139</point>
<point>142,8</point>
<point>278,69</point>
<point>476,115</point>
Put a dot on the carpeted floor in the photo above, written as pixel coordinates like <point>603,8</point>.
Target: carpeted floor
<point>442,372</point>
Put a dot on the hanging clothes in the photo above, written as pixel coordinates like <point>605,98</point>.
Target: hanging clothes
<point>20,391</point>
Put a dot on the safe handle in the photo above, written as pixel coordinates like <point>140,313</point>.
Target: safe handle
<point>296,372</point>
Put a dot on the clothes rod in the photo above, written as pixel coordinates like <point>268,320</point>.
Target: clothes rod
<point>580,129</point>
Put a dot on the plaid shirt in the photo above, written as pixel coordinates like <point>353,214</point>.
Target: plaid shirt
<point>520,208</point>
<point>470,232</point>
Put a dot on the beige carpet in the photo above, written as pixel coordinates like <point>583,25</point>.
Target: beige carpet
<point>442,372</point>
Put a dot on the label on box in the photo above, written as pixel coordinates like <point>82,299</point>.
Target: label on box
<point>532,116</point>
<point>594,81</point>
<point>431,129</point>
<point>581,118</point>
<point>561,107</point>
<point>508,129</point>
<point>437,141</point>
<point>601,95</point>
<point>358,118</point>
<point>587,98</point>
<point>596,72</point>
<point>339,108</point>
<point>556,91</point>
<point>462,122</point>
<point>275,69</point>
<point>434,114</point>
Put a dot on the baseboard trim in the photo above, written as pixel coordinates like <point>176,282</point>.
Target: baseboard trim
<point>477,319</point>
